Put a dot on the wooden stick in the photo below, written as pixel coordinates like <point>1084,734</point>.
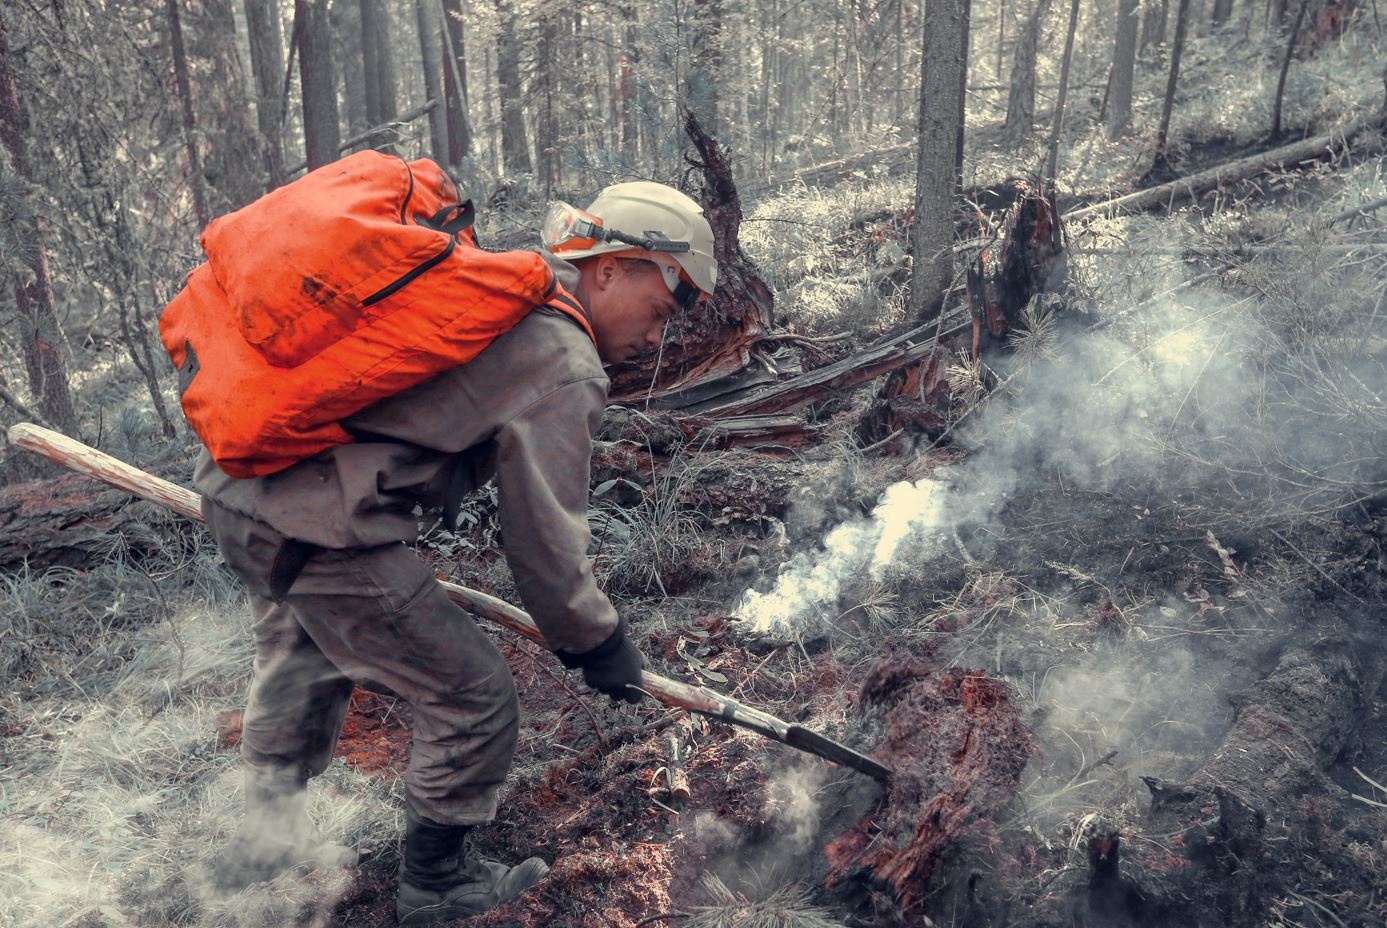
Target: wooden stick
<point>87,460</point>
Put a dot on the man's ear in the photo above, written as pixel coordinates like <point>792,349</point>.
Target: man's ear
<point>605,271</point>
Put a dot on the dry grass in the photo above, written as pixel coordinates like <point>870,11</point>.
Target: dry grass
<point>787,907</point>
<point>116,790</point>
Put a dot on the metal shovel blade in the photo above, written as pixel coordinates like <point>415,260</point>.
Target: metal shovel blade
<point>801,738</point>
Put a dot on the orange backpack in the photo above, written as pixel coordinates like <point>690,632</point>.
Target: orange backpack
<point>350,284</point>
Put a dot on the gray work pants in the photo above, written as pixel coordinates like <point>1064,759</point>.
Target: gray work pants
<point>378,617</point>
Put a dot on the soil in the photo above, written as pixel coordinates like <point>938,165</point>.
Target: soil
<point>1247,818</point>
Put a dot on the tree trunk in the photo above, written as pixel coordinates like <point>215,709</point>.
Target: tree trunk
<point>964,54</point>
<point>1001,35</point>
<point>705,64</point>
<point>41,336</point>
<point>1222,10</point>
<point>1124,61</point>
<point>347,52</point>
<point>546,142</point>
<point>72,522</point>
<point>1285,157</point>
<point>515,144</point>
<point>1153,23</point>
<point>322,136</point>
<point>378,63</point>
<point>937,178</point>
<point>1052,159</point>
<point>1182,19</point>
<point>231,147</point>
<point>431,57</point>
<point>1021,97</point>
<point>267,69</point>
<point>713,340</point>
<point>185,99</point>
<point>627,62</point>
<point>1285,69</point>
<point>455,83</point>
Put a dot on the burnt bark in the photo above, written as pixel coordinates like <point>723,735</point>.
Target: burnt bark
<point>714,339</point>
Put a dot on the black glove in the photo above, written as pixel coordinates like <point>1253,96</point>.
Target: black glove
<point>611,666</point>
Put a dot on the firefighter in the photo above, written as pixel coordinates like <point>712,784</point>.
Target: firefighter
<point>340,599</point>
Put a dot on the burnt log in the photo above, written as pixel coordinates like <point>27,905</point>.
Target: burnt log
<point>715,339</point>
<point>77,522</point>
<point>820,383</point>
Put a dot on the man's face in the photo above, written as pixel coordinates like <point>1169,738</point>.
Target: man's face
<point>630,303</point>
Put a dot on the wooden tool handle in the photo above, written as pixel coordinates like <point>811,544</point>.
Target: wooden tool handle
<point>85,459</point>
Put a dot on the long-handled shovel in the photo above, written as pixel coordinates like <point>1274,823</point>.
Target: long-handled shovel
<point>85,459</point>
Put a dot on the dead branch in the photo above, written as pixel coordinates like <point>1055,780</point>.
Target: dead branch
<point>817,384</point>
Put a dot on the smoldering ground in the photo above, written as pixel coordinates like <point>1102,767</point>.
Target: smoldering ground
<point>1114,541</point>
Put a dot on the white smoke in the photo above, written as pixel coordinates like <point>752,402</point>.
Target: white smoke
<point>792,802</point>
<point>1190,398</point>
<point>812,580</point>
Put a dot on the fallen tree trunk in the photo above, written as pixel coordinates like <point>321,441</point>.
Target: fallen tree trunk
<point>751,431</point>
<point>73,521</point>
<point>1185,188</point>
<point>821,382</point>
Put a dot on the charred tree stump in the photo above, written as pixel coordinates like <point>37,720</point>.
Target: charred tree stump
<point>715,339</point>
<point>1027,258</point>
<point>916,398</point>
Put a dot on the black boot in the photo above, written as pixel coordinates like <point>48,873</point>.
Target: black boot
<point>275,836</point>
<point>442,878</point>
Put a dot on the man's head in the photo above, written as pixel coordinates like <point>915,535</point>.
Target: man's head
<point>644,252</point>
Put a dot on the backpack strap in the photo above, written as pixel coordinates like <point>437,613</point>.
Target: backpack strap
<point>564,303</point>
<point>453,218</point>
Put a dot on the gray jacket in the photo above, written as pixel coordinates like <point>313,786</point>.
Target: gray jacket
<point>524,410</point>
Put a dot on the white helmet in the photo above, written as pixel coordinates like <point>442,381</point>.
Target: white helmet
<point>637,214</point>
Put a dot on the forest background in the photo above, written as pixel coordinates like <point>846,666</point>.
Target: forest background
<point>1235,391</point>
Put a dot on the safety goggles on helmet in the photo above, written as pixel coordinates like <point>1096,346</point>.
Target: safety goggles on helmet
<point>567,228</point>
<point>685,293</point>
